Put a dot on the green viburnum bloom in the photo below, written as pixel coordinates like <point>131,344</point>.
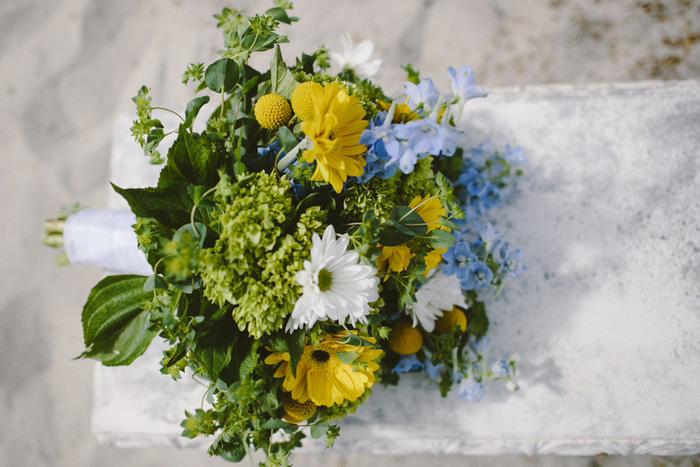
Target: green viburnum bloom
<point>418,183</point>
<point>254,262</point>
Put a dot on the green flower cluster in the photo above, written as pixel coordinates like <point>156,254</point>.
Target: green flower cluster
<point>383,195</point>
<point>254,261</point>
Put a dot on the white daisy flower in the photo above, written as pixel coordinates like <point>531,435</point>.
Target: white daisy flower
<point>358,59</point>
<point>335,285</point>
<point>441,292</point>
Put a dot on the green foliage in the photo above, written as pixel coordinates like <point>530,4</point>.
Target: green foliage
<point>193,108</point>
<point>477,320</point>
<point>222,75</point>
<point>282,80</point>
<point>253,263</point>
<point>201,422</point>
<point>147,131</point>
<point>115,326</point>
<point>194,72</point>
<point>413,75</point>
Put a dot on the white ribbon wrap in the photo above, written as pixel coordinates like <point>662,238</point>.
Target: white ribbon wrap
<point>104,238</point>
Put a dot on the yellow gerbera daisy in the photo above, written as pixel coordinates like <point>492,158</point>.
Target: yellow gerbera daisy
<point>430,211</point>
<point>322,377</point>
<point>394,258</point>
<point>335,132</point>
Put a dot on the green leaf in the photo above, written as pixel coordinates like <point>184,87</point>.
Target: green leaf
<point>199,232</point>
<point>477,320</point>
<point>448,223</point>
<point>275,424</point>
<point>287,139</point>
<point>409,219</point>
<point>319,429</point>
<point>439,238</point>
<point>193,108</point>
<point>250,361</point>
<point>214,350</point>
<point>115,325</point>
<point>296,342</point>
<point>170,205</point>
<point>391,236</point>
<point>280,14</point>
<point>331,435</point>
<point>154,282</point>
<point>222,75</point>
<point>347,357</point>
<point>282,80</point>
<point>195,161</point>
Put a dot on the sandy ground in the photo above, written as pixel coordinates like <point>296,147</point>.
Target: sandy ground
<point>69,67</point>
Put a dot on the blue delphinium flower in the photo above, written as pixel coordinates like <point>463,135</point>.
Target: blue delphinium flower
<point>475,181</point>
<point>478,277</point>
<point>462,82</point>
<point>511,260</point>
<point>514,155</point>
<point>470,389</point>
<point>489,236</point>
<point>491,197</point>
<point>375,137</point>
<point>424,94</point>
<point>406,364</point>
<point>417,139</point>
<point>459,260</point>
<point>431,370</point>
<point>500,368</point>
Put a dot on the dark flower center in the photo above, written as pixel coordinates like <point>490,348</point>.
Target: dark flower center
<point>320,356</point>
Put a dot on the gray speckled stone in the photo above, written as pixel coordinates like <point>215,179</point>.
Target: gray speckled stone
<point>605,318</point>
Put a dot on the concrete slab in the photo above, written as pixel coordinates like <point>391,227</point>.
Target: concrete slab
<point>604,319</point>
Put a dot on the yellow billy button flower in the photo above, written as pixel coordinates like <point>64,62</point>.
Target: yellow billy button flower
<point>322,377</point>
<point>302,102</point>
<point>297,412</point>
<point>335,132</point>
<point>404,339</point>
<point>272,111</point>
<point>449,319</point>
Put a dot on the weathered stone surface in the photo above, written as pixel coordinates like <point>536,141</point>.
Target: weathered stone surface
<point>604,319</point>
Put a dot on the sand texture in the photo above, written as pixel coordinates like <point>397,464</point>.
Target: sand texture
<point>70,67</point>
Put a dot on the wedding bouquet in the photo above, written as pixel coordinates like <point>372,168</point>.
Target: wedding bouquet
<point>316,238</point>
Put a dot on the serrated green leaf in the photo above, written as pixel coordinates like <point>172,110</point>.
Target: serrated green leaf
<point>130,343</point>
<point>222,75</point>
<point>249,361</point>
<point>115,325</point>
<point>112,302</point>
<point>193,108</point>
<point>281,79</point>
<point>214,350</point>
<point>195,161</point>
<point>170,205</point>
